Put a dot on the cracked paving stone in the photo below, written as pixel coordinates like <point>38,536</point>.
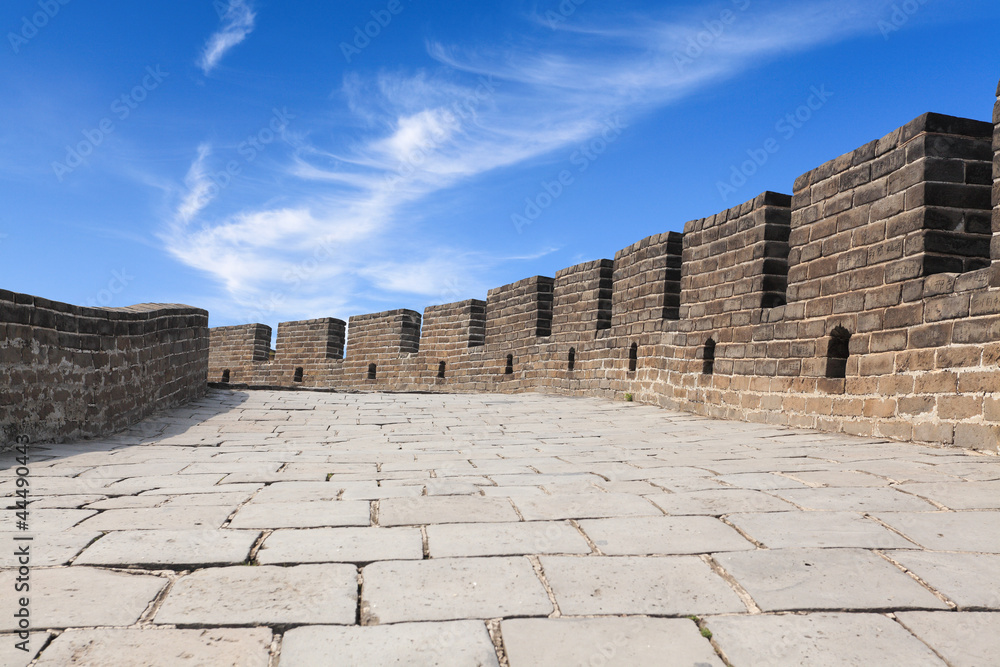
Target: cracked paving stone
<point>972,581</point>
<point>11,656</point>
<point>263,595</point>
<point>341,545</point>
<point>504,539</point>
<point>780,530</point>
<point>303,515</point>
<point>158,647</point>
<point>584,506</point>
<point>47,548</point>
<point>170,548</point>
<point>807,579</point>
<point>636,642</point>
<point>949,531</point>
<point>159,518</point>
<point>444,509</point>
<point>964,640</point>
<point>452,644</point>
<point>69,597</point>
<point>663,535</point>
<point>451,589</point>
<point>818,639</point>
<point>665,585</point>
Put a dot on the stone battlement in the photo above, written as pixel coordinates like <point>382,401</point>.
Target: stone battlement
<point>867,302</point>
<point>861,303</point>
<point>70,372</point>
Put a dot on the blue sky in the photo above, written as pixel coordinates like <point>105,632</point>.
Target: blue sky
<point>270,161</point>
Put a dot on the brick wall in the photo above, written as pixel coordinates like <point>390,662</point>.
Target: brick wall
<point>647,279</point>
<point>453,328</point>
<point>995,281</point>
<point>68,372</point>
<point>863,304</point>
<point>519,311</point>
<point>582,300</point>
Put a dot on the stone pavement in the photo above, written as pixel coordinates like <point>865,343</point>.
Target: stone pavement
<point>297,528</point>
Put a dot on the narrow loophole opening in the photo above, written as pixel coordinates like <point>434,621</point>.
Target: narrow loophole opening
<point>441,369</point>
<point>372,371</point>
<point>298,375</point>
<point>509,369</point>
<point>225,376</point>
<point>633,358</point>
<point>837,353</point>
<point>708,356</point>
<point>571,361</point>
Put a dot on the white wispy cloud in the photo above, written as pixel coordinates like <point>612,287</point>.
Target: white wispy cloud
<point>237,22</point>
<point>482,110</point>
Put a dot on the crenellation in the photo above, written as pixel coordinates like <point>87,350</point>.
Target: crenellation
<point>519,311</point>
<point>582,297</point>
<point>647,284</point>
<point>452,328</point>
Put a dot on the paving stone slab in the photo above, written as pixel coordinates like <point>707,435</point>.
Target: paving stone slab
<point>452,644</point>
<point>584,506</point>
<point>686,484</point>
<point>719,502</point>
<point>779,530</point>
<point>854,499</point>
<point>128,487</point>
<point>66,502</point>
<point>159,518</point>
<point>668,586</point>
<point>263,595</point>
<point>839,478</point>
<point>504,539</point>
<point>170,548</point>
<point>157,647</point>
<point>835,579</point>
<point>967,639</point>
<point>341,545</point>
<point>12,656</point>
<point>949,531</point>
<point>295,492</point>
<point>761,481</point>
<point>46,549</point>
<point>55,520</point>
<point>372,491</point>
<point>635,642</point>
<point>663,535</point>
<point>444,509</point>
<point>959,495</point>
<point>451,589</point>
<point>972,581</point>
<point>303,515</point>
<point>818,639</point>
<point>67,597</point>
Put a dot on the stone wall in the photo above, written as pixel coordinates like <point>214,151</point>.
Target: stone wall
<point>863,303</point>
<point>68,372</point>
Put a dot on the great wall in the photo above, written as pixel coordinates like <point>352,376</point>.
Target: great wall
<point>867,302</point>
